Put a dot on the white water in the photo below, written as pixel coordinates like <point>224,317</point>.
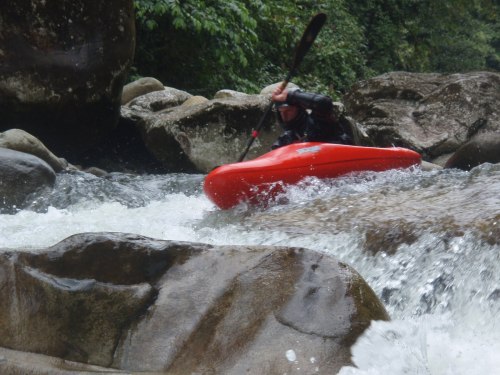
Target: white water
<point>442,291</point>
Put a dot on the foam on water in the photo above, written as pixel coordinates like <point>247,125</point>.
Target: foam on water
<point>171,218</point>
<point>442,290</point>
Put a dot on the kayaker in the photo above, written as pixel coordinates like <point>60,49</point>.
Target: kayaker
<point>307,117</point>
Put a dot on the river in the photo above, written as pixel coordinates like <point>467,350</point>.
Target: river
<point>427,242</point>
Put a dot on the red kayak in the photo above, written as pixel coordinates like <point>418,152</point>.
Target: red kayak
<point>256,181</point>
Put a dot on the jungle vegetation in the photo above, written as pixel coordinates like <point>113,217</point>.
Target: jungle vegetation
<point>202,46</point>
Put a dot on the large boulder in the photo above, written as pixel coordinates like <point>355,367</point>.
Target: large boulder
<point>433,114</point>
<point>22,176</point>
<point>62,69</point>
<point>201,136</point>
<point>137,304</point>
<point>124,149</point>
<point>187,133</point>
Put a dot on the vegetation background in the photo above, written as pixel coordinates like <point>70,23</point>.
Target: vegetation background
<point>203,46</point>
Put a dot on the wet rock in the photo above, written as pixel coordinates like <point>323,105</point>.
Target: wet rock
<point>159,100</point>
<point>427,166</point>
<point>19,140</point>
<point>124,149</point>
<point>138,304</point>
<point>14,362</point>
<point>224,94</point>
<point>389,235</point>
<point>194,100</point>
<point>433,114</point>
<point>213,132</point>
<point>98,172</point>
<point>62,69</point>
<point>484,148</point>
<point>22,176</point>
<point>268,90</point>
<point>186,133</point>
<point>140,87</point>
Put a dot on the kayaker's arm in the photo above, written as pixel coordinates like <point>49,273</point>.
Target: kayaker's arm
<point>320,104</point>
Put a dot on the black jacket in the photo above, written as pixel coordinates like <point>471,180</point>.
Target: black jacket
<point>314,123</point>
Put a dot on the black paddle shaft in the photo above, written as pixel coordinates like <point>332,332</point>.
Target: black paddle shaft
<point>307,40</point>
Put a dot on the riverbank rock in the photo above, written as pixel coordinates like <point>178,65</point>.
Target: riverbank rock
<point>158,100</point>
<point>62,69</point>
<point>484,148</point>
<point>101,298</point>
<point>22,176</point>
<point>198,137</point>
<point>140,87</point>
<point>19,140</point>
<point>433,114</point>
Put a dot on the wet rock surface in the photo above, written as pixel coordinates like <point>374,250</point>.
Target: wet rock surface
<point>433,114</point>
<point>22,175</point>
<point>62,69</point>
<point>139,304</point>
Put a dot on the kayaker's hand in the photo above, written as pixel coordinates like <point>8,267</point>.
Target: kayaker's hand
<point>279,95</point>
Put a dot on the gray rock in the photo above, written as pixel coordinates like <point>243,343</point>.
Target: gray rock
<point>23,363</point>
<point>433,114</point>
<point>268,90</point>
<point>22,176</point>
<point>210,133</point>
<point>62,69</point>
<point>140,87</point>
<point>159,100</point>
<point>19,140</point>
<point>194,100</point>
<point>483,148</point>
<point>225,94</point>
<point>427,166</point>
<point>136,304</point>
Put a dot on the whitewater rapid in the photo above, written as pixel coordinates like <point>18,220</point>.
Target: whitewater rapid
<point>441,285</point>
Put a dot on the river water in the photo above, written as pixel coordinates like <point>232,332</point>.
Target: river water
<point>426,242</point>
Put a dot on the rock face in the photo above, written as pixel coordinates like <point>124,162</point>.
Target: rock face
<point>433,114</point>
<point>214,132</point>
<point>21,176</point>
<point>62,69</point>
<point>200,134</point>
<point>138,304</point>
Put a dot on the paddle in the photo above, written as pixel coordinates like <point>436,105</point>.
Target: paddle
<point>304,45</point>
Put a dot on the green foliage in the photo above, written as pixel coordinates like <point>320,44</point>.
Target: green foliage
<point>428,35</point>
<point>206,45</point>
<point>194,44</point>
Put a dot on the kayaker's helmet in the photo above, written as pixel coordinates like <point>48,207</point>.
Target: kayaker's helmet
<point>285,104</point>
<point>281,105</point>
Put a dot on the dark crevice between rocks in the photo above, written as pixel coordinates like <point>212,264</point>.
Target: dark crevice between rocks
<point>123,150</point>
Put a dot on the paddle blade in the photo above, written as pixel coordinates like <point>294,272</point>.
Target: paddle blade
<point>308,38</point>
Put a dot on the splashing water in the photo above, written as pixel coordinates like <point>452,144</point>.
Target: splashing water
<point>426,242</point>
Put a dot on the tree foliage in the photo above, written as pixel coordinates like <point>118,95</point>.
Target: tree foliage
<point>205,45</point>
